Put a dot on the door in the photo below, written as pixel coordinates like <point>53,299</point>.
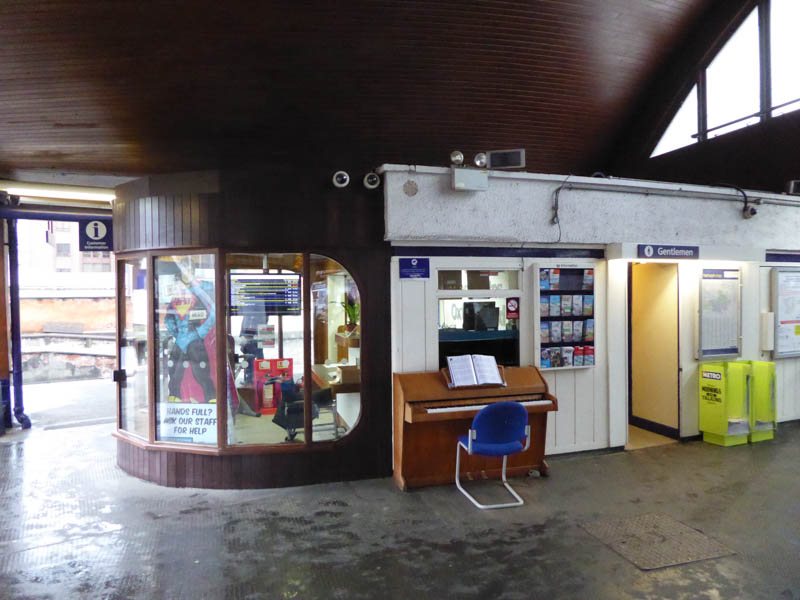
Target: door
<point>653,356</point>
<point>133,374</point>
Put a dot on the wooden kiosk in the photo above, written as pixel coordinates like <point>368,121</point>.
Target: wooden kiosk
<point>429,417</point>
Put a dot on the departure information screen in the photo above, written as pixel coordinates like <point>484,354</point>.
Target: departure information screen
<point>268,294</point>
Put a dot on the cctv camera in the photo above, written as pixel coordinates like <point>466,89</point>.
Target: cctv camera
<point>748,212</point>
<point>371,181</point>
<point>341,179</point>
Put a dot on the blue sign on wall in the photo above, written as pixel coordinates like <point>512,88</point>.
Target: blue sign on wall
<point>415,268</point>
<point>658,251</point>
<point>94,234</point>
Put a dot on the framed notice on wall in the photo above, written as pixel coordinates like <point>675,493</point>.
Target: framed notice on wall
<point>720,313</point>
<point>786,306</point>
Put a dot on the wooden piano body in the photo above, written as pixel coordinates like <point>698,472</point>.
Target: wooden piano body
<point>429,417</point>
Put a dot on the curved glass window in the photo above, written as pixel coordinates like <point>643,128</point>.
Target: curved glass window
<point>266,349</point>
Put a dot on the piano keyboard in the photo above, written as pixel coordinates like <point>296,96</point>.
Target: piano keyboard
<point>477,407</point>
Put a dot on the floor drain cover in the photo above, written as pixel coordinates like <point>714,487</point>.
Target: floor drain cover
<point>654,541</point>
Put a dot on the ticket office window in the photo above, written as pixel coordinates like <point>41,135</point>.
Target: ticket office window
<point>484,318</point>
<point>266,316</point>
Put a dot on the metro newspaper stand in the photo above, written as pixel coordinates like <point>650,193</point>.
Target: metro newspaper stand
<point>737,402</point>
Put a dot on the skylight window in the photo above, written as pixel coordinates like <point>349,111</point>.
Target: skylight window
<point>731,82</point>
<point>784,19</point>
<point>683,126</point>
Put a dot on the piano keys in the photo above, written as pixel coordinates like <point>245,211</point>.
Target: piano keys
<point>429,417</point>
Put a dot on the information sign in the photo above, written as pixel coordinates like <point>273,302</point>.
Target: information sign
<point>263,295</point>
<point>660,251</point>
<point>786,306</point>
<point>94,235</point>
<point>187,422</point>
<point>415,268</point>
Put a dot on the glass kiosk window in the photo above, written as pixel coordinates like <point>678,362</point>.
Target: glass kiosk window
<point>266,349</point>
<point>478,326</point>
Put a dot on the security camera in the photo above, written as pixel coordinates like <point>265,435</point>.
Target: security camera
<point>341,179</point>
<point>371,181</point>
<point>748,212</point>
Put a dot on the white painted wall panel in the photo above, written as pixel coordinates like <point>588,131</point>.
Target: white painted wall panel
<point>787,370</point>
<point>518,208</point>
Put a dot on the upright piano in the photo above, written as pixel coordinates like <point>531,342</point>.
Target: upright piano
<point>429,417</point>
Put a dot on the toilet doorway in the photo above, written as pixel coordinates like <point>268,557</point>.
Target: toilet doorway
<point>653,354</point>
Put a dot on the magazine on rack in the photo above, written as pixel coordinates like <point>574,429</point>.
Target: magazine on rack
<point>473,369</point>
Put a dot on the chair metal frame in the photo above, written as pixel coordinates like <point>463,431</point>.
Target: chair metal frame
<point>473,435</point>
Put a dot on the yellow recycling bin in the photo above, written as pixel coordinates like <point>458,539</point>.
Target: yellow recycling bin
<point>763,417</point>
<point>724,402</point>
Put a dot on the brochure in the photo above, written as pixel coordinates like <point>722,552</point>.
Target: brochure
<point>555,331</point>
<point>567,353</point>
<point>555,275</point>
<point>588,334</point>
<point>544,306</point>
<point>588,279</point>
<point>588,355</point>
<point>545,332</point>
<point>555,357</point>
<point>588,306</point>
<point>577,305</point>
<point>555,306</point>
<point>545,363</point>
<point>577,331</point>
<point>544,279</point>
<point>566,331</point>
<point>577,359</point>
<point>566,306</point>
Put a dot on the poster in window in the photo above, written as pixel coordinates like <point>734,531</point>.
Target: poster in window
<point>720,313</point>
<point>786,306</point>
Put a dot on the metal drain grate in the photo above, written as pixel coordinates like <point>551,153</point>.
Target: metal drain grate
<point>654,541</point>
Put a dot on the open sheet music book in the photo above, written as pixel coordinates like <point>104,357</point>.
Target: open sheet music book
<point>473,369</point>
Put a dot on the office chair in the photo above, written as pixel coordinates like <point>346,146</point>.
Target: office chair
<point>496,431</point>
<point>289,414</point>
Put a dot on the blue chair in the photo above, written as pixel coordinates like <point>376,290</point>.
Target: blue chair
<point>497,430</point>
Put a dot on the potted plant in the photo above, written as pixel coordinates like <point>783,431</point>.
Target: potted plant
<point>352,313</point>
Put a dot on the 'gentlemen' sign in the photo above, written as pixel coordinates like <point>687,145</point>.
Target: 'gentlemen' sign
<point>657,251</point>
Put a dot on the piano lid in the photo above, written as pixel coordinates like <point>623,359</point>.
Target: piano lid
<point>430,385</point>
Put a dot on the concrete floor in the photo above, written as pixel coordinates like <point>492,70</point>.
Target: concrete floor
<point>72,525</point>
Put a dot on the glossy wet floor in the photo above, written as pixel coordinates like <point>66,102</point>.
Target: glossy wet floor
<point>639,438</point>
<point>72,525</point>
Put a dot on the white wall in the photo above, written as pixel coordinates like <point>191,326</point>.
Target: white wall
<point>787,370</point>
<point>582,421</point>
<point>517,211</point>
<point>518,208</point>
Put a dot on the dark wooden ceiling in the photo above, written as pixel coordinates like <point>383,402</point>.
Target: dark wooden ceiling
<point>136,87</point>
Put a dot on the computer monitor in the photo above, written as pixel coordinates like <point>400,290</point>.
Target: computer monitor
<point>480,316</point>
<point>261,295</point>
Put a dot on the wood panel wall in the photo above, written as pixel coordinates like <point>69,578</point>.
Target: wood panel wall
<point>279,211</point>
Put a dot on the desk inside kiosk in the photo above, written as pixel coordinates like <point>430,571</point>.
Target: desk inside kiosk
<point>469,326</point>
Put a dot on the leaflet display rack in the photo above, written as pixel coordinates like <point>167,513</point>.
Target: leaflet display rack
<point>566,317</point>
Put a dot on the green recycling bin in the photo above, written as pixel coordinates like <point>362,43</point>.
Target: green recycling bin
<point>763,417</point>
<point>724,402</point>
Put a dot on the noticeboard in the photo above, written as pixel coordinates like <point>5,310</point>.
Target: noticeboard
<point>786,306</point>
<point>720,314</point>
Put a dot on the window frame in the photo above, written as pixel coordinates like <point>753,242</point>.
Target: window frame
<point>766,107</point>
